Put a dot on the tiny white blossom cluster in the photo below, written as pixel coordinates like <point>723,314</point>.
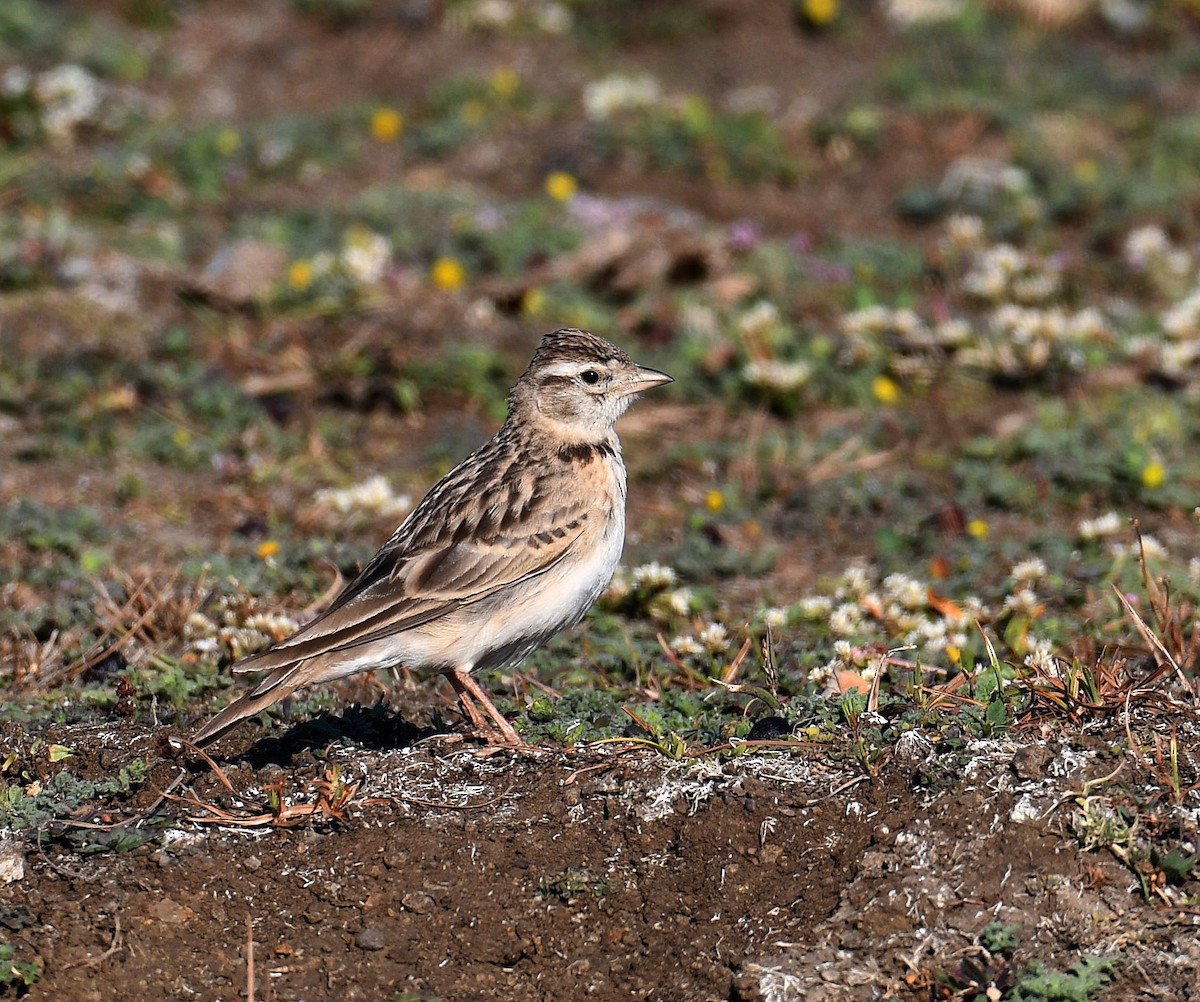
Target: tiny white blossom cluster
<point>897,610</point>
<point>712,639</point>
<point>972,180</point>
<point>910,13</point>
<point>1002,272</point>
<point>650,588</point>
<point>235,628</point>
<point>617,92</point>
<point>365,255</point>
<point>1029,570</point>
<point>1150,546</point>
<point>373,495</point>
<point>1025,341</point>
<point>775,375</point>
<point>1108,524</point>
<point>1149,251</point>
<point>1172,349</point>
<point>909,340</point>
<point>758,322</point>
<point>66,96</point>
<point>546,16</point>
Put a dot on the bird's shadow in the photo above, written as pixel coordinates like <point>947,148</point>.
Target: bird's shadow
<point>375,727</point>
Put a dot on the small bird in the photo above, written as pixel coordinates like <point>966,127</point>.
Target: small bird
<point>511,546</point>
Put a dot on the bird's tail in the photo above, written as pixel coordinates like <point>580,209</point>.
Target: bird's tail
<point>280,683</point>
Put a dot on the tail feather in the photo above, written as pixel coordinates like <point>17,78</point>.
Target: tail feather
<point>276,686</point>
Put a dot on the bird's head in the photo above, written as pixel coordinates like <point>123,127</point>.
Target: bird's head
<point>578,384</point>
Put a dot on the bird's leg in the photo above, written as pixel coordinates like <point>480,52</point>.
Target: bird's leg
<point>473,699</point>
<point>465,701</point>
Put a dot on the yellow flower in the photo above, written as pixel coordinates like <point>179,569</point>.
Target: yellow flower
<point>448,274</point>
<point>821,12</point>
<point>182,438</point>
<point>1153,475</point>
<point>472,113</point>
<point>227,142</point>
<point>1087,171</point>
<point>386,124</point>
<point>505,82</point>
<point>978,528</point>
<point>885,389</point>
<point>267,549</point>
<point>714,501</point>
<point>954,654</point>
<point>561,186</point>
<point>300,275</point>
<point>533,302</point>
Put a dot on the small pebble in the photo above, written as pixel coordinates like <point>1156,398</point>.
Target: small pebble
<point>370,939</point>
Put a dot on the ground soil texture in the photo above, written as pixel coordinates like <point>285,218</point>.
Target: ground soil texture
<point>462,874</point>
<point>458,872</point>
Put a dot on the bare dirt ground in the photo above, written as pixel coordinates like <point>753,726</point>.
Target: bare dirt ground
<point>463,874</point>
<point>425,866</point>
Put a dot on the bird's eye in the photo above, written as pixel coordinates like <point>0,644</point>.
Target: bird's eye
<point>590,376</point>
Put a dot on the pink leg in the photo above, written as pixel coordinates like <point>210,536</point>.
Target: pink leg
<point>472,699</point>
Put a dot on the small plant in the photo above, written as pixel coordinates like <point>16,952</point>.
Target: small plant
<point>989,973</point>
<point>571,884</point>
<point>18,973</point>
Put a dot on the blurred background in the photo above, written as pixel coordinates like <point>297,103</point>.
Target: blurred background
<point>925,272</point>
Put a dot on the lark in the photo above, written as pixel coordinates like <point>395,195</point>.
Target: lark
<point>510,547</point>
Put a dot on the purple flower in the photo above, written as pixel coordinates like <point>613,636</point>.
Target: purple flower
<point>743,236</point>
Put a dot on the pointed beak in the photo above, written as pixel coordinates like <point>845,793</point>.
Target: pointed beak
<point>643,378</point>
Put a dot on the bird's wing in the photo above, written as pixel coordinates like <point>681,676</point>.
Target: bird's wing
<point>420,576</point>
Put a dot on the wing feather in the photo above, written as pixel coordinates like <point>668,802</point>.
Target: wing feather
<point>407,584</point>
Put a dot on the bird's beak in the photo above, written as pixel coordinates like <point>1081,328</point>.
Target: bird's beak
<point>643,378</point>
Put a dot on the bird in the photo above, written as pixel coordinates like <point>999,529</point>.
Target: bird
<point>512,546</point>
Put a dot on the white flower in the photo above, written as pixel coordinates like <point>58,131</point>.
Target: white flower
<point>1145,244</point>
<point>1151,547</point>
<point>985,281</point>
<point>908,592</point>
<point>618,587</point>
<point>775,617</point>
<point>855,580</point>
<point>365,255</point>
<point>372,495</point>
<point>679,601</point>
<point>715,638</point>
<point>604,98</point>
<point>953,332</point>
<point>1041,659</point>
<point>964,232</point>
<point>815,606</point>
<point>68,95</point>
<point>199,626</point>
<point>1108,524</point>
<point>1182,321</point>
<point>771,374</point>
<point>686,646</point>
<point>16,81</point>
<point>669,604</point>
<point>1023,602</point>
<point>273,625</point>
<point>653,576</point>
<point>846,619</point>
<point>1030,569</point>
<point>819,676</point>
<point>553,18</point>
<point>493,13</point>
<point>758,320</point>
